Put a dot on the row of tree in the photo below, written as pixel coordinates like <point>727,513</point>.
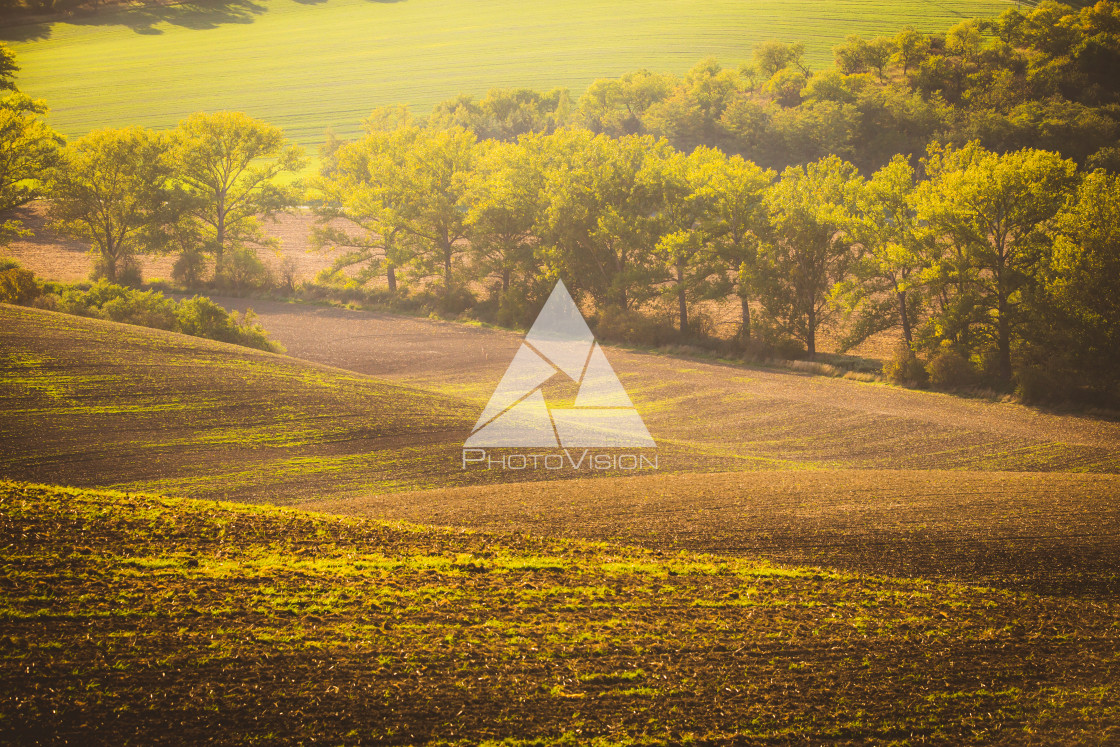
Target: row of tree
<point>1009,261</point>
<point>1047,77</point>
<point>998,258</point>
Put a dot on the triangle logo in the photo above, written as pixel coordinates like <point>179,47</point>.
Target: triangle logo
<point>560,343</point>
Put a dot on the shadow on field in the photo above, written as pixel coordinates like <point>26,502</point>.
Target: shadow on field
<point>143,19</point>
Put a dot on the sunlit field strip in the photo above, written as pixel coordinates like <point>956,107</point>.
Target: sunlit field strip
<point>305,67</point>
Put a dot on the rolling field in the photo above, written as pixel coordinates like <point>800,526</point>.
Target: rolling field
<point>138,619</point>
<point>817,471</point>
<point>97,403</point>
<point>708,415</point>
<point>844,600</point>
<point>306,66</point>
<point>1051,533</point>
<point>207,544</point>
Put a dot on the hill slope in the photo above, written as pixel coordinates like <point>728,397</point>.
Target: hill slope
<point>137,619</point>
<point>1051,533</point>
<point>707,415</point>
<point>305,66</point>
<point>88,402</point>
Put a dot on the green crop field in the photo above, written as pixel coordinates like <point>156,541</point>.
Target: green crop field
<point>305,66</point>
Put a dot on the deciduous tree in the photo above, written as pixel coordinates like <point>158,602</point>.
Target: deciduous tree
<point>810,250</point>
<point>111,188</point>
<point>228,164</point>
<point>993,209</point>
<point>29,149</point>
<point>505,202</point>
<point>885,289</point>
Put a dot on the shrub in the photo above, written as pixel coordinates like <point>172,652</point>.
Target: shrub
<point>128,271</point>
<point>240,268</point>
<point>288,272</point>
<point>631,326</point>
<point>456,301</point>
<point>89,301</point>
<point>198,316</point>
<point>147,309</point>
<point>1035,384</point>
<point>201,317</point>
<point>903,367</point>
<point>18,286</point>
<point>949,369</point>
<point>189,268</point>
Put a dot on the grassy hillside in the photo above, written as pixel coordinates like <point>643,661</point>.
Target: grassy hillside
<point>308,65</point>
<point>131,618</point>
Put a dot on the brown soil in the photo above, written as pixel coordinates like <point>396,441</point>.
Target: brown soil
<point>140,620</point>
<point>756,417</point>
<point>1049,533</point>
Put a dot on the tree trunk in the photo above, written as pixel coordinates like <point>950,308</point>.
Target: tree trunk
<point>505,280</point>
<point>682,301</point>
<point>391,276</point>
<point>745,326</point>
<point>905,317</point>
<point>1002,325</point>
<point>109,257</point>
<point>1004,341</point>
<point>811,334</point>
<point>220,230</point>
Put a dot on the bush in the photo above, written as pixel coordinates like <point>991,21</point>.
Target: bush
<point>128,271</point>
<point>18,286</point>
<point>150,309</point>
<point>288,272</point>
<point>631,326</point>
<point>448,303</point>
<point>949,369</point>
<point>198,316</point>
<point>189,269</point>
<point>1036,384</point>
<point>903,367</point>
<point>201,317</point>
<point>240,268</point>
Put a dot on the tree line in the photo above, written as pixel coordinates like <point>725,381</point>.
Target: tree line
<point>1045,77</point>
<point>994,264</point>
<point>986,265</point>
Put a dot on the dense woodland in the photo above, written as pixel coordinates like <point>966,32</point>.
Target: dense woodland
<point>958,190</point>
